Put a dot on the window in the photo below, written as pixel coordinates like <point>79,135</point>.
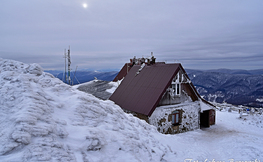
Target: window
<point>176,88</point>
<point>177,92</point>
<point>176,117</point>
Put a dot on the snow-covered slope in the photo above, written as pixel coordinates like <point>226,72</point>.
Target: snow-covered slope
<point>42,118</point>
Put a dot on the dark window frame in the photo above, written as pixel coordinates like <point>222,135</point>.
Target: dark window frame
<point>176,117</point>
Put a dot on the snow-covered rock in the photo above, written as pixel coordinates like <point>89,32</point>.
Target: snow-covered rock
<point>43,119</point>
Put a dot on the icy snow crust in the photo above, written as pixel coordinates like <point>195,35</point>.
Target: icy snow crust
<point>43,119</point>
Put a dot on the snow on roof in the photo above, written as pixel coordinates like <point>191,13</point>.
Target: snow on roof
<point>98,88</point>
<point>205,106</point>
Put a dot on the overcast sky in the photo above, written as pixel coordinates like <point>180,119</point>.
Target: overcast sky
<point>200,34</point>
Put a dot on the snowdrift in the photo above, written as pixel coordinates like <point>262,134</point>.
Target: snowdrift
<point>43,119</point>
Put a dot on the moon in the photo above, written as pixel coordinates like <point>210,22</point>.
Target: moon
<point>85,5</point>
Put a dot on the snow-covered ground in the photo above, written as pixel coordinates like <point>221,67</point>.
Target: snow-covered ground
<point>230,138</point>
<point>43,119</point>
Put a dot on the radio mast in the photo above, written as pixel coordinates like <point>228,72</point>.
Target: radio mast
<point>68,79</point>
<point>65,72</point>
<point>69,62</point>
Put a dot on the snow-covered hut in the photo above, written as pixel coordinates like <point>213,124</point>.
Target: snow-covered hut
<point>163,95</point>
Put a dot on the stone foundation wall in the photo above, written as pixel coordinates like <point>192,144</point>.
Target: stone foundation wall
<point>162,118</point>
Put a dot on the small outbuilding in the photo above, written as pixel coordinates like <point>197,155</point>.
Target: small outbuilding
<point>163,95</point>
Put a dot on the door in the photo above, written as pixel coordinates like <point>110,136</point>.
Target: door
<point>204,119</point>
<point>212,117</point>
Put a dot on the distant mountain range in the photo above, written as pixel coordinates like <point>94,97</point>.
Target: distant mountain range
<point>230,71</point>
<point>238,87</point>
<point>85,76</point>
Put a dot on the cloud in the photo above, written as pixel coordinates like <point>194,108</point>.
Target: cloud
<point>207,34</point>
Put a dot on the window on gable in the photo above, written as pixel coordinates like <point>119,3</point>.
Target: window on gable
<point>176,85</point>
<point>176,117</point>
<point>176,88</point>
<point>177,92</point>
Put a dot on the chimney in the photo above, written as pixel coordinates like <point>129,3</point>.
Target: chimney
<point>152,58</point>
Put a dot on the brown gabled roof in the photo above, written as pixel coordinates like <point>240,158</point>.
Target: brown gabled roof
<point>142,92</point>
<point>125,69</point>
